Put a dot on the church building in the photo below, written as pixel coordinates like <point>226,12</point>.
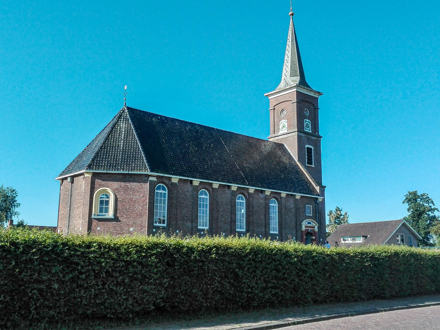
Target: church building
<point>146,173</point>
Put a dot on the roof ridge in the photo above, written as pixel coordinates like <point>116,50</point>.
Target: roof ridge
<point>360,223</point>
<point>117,117</point>
<point>137,139</point>
<point>191,122</point>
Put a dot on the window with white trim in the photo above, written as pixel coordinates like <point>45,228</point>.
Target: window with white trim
<point>308,210</point>
<point>310,156</point>
<point>240,213</point>
<point>103,203</point>
<point>353,239</point>
<point>400,239</point>
<point>160,205</point>
<point>273,216</point>
<point>203,209</point>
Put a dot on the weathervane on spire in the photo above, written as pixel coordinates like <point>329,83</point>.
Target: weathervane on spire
<point>125,95</point>
<point>291,11</point>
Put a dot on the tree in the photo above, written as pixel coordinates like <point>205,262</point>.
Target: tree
<point>336,219</point>
<point>421,215</point>
<point>435,230</point>
<point>8,204</point>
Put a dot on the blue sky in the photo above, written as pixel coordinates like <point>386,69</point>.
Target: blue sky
<point>64,66</point>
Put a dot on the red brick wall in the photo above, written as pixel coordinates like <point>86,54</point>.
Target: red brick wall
<point>134,208</point>
<point>295,103</point>
<point>131,204</point>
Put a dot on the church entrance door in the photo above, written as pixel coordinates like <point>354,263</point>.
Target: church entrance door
<point>309,238</point>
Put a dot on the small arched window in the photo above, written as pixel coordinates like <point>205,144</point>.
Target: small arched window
<point>273,216</point>
<point>160,205</point>
<point>240,213</point>
<point>203,209</point>
<point>103,203</point>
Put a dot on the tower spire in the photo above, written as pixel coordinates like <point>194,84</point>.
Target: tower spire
<point>293,72</point>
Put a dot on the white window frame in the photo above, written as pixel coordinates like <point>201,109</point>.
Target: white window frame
<point>104,204</point>
<point>160,205</point>
<point>309,207</point>
<point>352,239</point>
<point>400,239</point>
<point>273,216</point>
<point>111,204</point>
<point>203,209</point>
<point>240,213</point>
<point>313,156</point>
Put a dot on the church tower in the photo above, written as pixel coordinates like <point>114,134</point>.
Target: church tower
<point>294,118</point>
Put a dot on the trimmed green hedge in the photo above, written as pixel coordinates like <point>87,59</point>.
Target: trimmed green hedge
<point>46,278</point>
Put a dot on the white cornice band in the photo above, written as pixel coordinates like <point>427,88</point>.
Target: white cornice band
<point>193,179</point>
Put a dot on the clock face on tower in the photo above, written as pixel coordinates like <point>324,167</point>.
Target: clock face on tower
<point>307,125</point>
<point>283,125</point>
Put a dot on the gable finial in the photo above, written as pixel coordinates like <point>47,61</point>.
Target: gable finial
<point>125,96</point>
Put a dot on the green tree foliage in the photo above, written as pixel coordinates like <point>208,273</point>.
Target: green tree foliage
<point>435,230</point>
<point>421,215</point>
<point>335,219</point>
<point>8,204</point>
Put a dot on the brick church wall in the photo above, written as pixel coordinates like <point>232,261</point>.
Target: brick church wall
<point>131,203</point>
<point>134,208</point>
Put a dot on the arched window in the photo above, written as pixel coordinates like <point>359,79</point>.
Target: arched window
<point>273,216</point>
<point>103,203</point>
<point>160,205</point>
<point>240,213</point>
<point>203,209</point>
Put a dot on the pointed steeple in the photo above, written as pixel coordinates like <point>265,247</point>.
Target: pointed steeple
<point>293,72</point>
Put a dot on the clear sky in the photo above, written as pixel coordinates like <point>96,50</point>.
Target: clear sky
<point>64,64</point>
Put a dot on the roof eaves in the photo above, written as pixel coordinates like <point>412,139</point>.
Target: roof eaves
<point>194,179</point>
<point>412,230</point>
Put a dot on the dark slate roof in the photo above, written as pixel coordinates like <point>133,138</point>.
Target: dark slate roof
<point>140,141</point>
<point>378,232</point>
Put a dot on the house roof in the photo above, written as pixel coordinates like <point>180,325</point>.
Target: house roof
<point>144,142</point>
<point>377,232</point>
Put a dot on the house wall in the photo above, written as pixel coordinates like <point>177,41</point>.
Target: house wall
<point>405,231</point>
<point>134,208</point>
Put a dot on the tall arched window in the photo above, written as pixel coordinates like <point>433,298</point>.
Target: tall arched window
<point>273,216</point>
<point>160,205</point>
<point>203,209</point>
<point>310,161</point>
<point>240,213</point>
<point>104,203</point>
